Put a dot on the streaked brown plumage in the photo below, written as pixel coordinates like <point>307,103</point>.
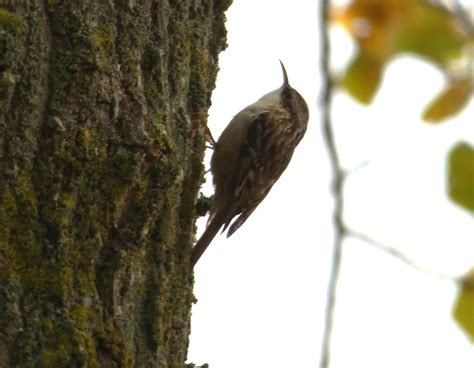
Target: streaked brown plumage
<point>250,155</point>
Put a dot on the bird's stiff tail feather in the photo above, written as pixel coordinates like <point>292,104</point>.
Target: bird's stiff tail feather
<point>206,238</point>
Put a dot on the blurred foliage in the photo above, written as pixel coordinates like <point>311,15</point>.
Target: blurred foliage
<point>452,100</point>
<point>442,35</point>
<point>464,307</point>
<point>384,29</point>
<point>461,176</point>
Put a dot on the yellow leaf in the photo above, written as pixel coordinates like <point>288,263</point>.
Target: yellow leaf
<point>464,308</point>
<point>383,29</point>
<point>373,23</point>
<point>450,101</point>
<point>461,175</point>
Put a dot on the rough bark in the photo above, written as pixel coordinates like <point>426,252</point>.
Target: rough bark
<point>102,109</point>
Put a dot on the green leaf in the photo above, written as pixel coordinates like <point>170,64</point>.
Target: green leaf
<point>451,101</point>
<point>362,78</point>
<point>464,308</point>
<point>461,175</point>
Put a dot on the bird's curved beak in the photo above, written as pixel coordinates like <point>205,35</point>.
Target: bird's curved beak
<point>285,76</point>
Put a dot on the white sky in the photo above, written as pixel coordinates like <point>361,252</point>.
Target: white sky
<point>261,293</point>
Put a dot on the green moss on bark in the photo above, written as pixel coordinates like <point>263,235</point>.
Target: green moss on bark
<point>9,20</point>
<point>101,112</point>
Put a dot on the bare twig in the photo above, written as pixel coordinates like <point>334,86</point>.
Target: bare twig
<point>463,15</point>
<point>460,11</point>
<point>394,252</point>
<point>337,184</point>
<point>353,170</point>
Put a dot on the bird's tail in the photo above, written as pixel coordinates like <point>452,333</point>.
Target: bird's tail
<point>206,238</point>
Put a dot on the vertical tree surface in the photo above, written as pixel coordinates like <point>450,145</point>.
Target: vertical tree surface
<point>102,108</point>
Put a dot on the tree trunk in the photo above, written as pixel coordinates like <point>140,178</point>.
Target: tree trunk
<point>102,109</point>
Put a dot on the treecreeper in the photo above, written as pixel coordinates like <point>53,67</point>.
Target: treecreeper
<point>249,157</point>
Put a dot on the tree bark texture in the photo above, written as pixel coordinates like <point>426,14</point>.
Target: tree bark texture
<point>102,112</point>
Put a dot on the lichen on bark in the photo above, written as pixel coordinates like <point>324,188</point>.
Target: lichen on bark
<point>102,105</point>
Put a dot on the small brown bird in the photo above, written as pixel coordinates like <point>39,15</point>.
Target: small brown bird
<point>249,157</point>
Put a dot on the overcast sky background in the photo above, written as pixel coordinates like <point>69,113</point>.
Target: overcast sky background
<point>261,293</point>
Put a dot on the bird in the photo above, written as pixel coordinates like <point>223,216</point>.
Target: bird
<point>249,157</point>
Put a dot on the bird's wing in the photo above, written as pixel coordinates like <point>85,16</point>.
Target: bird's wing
<point>248,191</point>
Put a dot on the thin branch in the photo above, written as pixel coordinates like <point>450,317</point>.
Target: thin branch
<point>337,184</point>
<point>459,11</point>
<point>351,171</point>
<point>463,15</point>
<point>394,252</point>
<point>466,15</point>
